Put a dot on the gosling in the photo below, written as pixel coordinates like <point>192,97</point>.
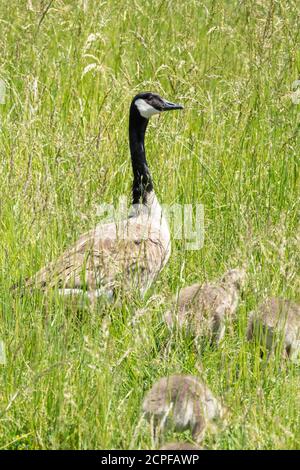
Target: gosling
<point>204,309</point>
<point>276,321</point>
<point>182,402</point>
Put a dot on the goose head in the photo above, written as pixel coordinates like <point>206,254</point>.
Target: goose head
<point>148,104</point>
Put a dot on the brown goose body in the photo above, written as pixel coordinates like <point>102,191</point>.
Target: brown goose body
<point>203,309</point>
<point>124,254</point>
<point>113,256</point>
<point>181,402</point>
<point>277,321</point>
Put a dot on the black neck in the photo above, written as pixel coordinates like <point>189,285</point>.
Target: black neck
<point>142,181</point>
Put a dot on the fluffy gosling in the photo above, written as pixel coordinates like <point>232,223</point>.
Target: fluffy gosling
<point>274,321</point>
<point>181,402</point>
<point>203,309</point>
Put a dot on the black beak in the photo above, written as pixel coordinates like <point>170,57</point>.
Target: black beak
<point>170,106</point>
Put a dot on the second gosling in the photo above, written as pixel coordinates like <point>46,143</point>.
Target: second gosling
<point>203,309</point>
<point>277,320</point>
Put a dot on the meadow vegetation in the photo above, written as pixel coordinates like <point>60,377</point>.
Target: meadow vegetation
<point>76,380</point>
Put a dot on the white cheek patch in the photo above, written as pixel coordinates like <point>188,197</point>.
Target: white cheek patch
<point>145,109</point>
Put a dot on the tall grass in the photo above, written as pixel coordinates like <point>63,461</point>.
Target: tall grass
<point>71,68</point>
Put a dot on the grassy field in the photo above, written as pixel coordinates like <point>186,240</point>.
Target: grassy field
<point>71,68</point>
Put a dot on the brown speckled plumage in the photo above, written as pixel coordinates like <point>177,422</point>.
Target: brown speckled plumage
<point>104,259</point>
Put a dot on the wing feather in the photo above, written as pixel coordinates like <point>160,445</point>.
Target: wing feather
<point>107,256</point>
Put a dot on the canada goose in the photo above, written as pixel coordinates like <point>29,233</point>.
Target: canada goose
<point>179,446</point>
<point>277,321</point>
<point>204,308</point>
<point>126,254</point>
<point>181,402</point>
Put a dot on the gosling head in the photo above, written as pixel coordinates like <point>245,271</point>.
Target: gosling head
<point>147,104</point>
<point>236,277</point>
